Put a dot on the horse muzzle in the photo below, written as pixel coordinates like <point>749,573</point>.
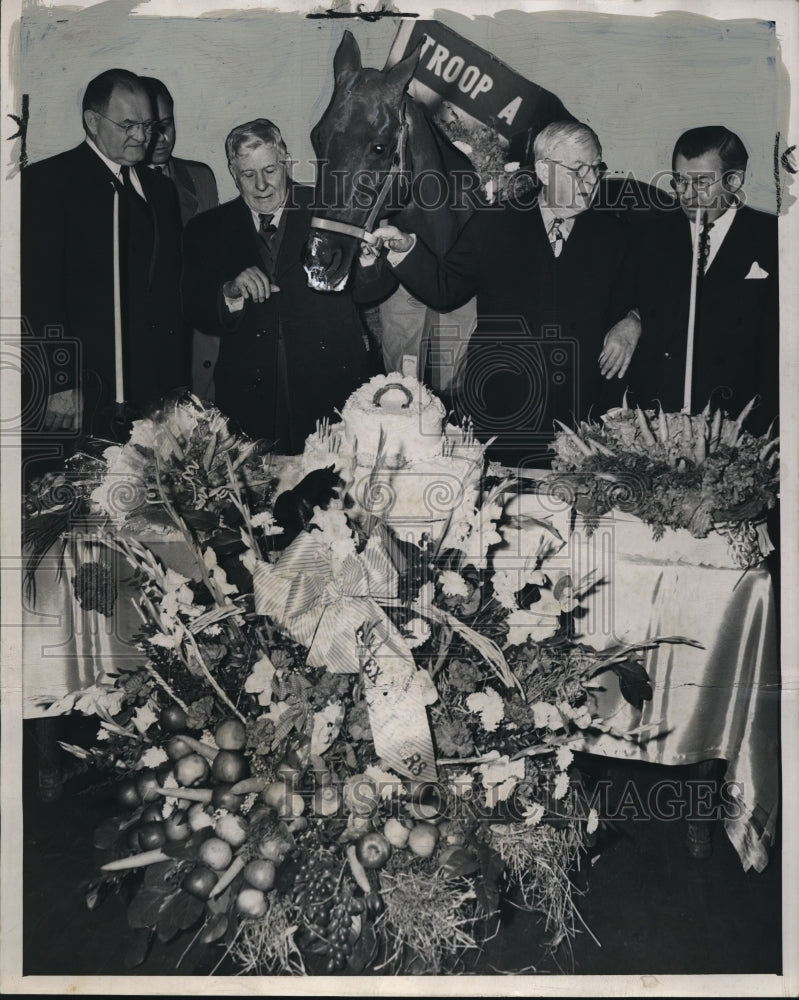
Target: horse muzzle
<point>327,260</point>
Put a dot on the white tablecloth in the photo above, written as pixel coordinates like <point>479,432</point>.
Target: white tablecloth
<point>720,701</point>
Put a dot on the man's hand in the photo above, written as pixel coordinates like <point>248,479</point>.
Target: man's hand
<point>252,283</point>
<point>394,239</point>
<point>619,347</point>
<point>63,410</point>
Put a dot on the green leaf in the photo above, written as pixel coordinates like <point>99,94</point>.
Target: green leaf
<point>364,950</point>
<point>107,834</point>
<point>215,928</point>
<point>633,683</point>
<point>169,918</point>
<point>461,862</point>
<point>156,875</point>
<point>138,945</point>
<point>146,906</point>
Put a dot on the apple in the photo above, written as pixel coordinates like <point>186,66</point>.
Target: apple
<point>288,773</point>
<point>372,849</point>
<point>231,828</point>
<point>231,734</point>
<point>396,832</point>
<point>198,818</point>
<point>215,853</point>
<point>152,813</point>
<point>223,798</point>
<point>176,825</point>
<point>191,770</point>
<point>260,874</point>
<point>276,794</point>
<point>251,902</point>
<point>274,849</point>
<point>127,794</point>
<point>177,748</point>
<point>200,881</point>
<point>230,766</point>
<point>147,786</point>
<point>173,719</point>
<point>423,839</point>
<point>151,835</point>
<point>326,801</point>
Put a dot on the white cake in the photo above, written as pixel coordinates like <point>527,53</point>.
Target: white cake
<point>399,459</point>
<point>396,415</point>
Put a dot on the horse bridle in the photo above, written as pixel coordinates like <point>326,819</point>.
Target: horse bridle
<point>397,168</point>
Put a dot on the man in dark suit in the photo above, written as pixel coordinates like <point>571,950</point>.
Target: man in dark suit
<point>197,192</point>
<point>554,285</point>
<point>288,355</point>
<point>736,333</point>
<point>67,259</point>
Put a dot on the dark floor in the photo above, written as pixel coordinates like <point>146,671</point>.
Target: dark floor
<point>650,907</point>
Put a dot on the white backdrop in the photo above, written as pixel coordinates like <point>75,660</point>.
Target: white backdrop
<point>638,80</point>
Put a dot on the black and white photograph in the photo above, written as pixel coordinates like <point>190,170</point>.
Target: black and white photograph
<point>399,486</point>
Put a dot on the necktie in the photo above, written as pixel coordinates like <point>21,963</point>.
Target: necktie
<point>556,237</point>
<point>704,246</point>
<point>266,232</point>
<point>127,185</point>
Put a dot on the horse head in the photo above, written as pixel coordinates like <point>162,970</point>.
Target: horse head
<point>360,145</point>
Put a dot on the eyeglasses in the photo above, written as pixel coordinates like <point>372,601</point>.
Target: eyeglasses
<point>583,169</point>
<point>129,130</point>
<point>700,182</point>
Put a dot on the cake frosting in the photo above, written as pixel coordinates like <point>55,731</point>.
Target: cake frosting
<point>399,459</point>
<point>394,415</point>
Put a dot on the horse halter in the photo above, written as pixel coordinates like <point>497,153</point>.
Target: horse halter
<point>397,169</point>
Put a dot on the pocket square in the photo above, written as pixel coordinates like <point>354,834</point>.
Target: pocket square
<point>756,271</point>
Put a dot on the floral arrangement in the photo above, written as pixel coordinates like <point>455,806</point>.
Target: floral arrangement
<point>488,151</point>
<point>702,472</point>
<point>339,748</point>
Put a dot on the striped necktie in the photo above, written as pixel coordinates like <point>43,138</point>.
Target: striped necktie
<point>556,237</point>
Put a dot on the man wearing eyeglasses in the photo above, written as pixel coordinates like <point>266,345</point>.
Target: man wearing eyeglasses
<point>197,192</point>
<point>736,333</point>
<point>68,272</point>
<point>554,285</point>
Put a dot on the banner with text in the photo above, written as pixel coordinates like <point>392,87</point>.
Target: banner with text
<point>455,70</point>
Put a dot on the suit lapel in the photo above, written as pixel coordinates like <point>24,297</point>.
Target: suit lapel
<point>187,192</point>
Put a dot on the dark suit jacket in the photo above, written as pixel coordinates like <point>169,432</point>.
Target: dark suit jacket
<point>67,279</point>
<point>283,363</point>
<point>736,346</point>
<point>541,319</point>
<point>196,184</point>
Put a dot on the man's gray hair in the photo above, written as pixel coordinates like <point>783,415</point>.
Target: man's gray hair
<point>556,132</point>
<point>260,132</point>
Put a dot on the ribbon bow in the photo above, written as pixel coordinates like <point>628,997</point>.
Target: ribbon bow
<point>328,603</point>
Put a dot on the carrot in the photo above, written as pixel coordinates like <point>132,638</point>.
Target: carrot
<point>663,427</point>
<point>135,861</point>
<point>201,748</point>
<point>575,439</point>
<point>247,785</point>
<point>646,432</point>
<point>745,411</point>
<point>767,448</point>
<point>228,875</point>
<point>191,794</point>
<point>715,430</point>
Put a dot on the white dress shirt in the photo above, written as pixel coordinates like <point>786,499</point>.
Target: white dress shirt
<point>116,168</point>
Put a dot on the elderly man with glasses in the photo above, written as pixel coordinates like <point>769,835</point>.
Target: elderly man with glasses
<point>736,333</point>
<point>77,206</point>
<point>553,279</point>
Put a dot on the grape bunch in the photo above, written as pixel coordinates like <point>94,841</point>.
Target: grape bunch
<point>329,907</point>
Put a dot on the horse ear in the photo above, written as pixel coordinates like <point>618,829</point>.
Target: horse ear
<point>399,76</point>
<point>347,59</point>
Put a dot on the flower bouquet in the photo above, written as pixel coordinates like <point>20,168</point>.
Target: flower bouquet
<point>701,473</point>
<point>342,747</point>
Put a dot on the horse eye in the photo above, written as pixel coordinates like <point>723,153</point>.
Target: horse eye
<point>378,149</point>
